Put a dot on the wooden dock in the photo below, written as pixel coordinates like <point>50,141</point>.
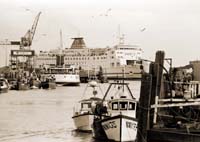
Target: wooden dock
<point>157,111</point>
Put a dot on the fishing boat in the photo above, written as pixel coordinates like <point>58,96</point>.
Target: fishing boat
<point>115,118</point>
<point>20,84</point>
<point>65,76</point>
<point>83,113</point>
<point>34,81</point>
<point>47,82</point>
<point>4,86</point>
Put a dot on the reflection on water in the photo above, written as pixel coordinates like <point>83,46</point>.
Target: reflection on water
<point>43,115</point>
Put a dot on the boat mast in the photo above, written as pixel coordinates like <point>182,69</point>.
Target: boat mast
<point>123,76</point>
<point>61,47</point>
<point>61,40</point>
<point>120,37</point>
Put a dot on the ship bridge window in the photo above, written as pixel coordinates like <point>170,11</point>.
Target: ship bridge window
<point>123,105</point>
<point>131,106</point>
<point>1,83</point>
<point>138,62</point>
<point>85,105</point>
<point>115,106</point>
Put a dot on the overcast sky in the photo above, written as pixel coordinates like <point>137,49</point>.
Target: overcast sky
<point>169,25</point>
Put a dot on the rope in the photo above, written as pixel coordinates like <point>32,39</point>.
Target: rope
<point>143,138</point>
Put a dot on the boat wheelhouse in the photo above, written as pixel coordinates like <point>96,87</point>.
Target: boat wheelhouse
<point>84,111</point>
<point>119,121</point>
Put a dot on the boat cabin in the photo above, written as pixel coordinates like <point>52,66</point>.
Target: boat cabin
<point>88,104</point>
<point>123,106</point>
<point>3,82</point>
<point>62,71</point>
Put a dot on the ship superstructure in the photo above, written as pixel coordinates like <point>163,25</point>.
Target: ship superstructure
<point>110,59</point>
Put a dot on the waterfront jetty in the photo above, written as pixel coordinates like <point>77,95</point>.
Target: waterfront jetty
<point>168,108</point>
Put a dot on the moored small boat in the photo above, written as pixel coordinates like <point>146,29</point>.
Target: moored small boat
<point>4,85</point>
<point>47,82</point>
<point>115,118</point>
<point>19,84</point>
<point>83,116</point>
<point>22,86</point>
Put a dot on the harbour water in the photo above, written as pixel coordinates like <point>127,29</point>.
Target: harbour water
<point>44,115</point>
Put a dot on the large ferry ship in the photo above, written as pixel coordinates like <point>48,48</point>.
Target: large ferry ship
<point>114,61</point>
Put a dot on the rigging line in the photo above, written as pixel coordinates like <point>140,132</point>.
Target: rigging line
<point>188,119</point>
<point>168,77</point>
<point>144,108</point>
<point>101,90</point>
<point>143,138</point>
<point>84,91</point>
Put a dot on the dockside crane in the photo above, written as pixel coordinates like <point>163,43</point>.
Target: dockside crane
<point>26,40</point>
<point>6,42</point>
<point>24,47</point>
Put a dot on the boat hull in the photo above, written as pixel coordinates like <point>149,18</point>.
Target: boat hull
<point>67,79</point>
<point>83,122</point>
<point>98,131</point>
<point>120,128</point>
<point>4,86</point>
<point>4,90</point>
<point>48,85</point>
<point>23,86</point>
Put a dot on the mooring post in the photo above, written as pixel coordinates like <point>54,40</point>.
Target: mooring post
<point>157,79</point>
<point>150,88</point>
<point>144,105</point>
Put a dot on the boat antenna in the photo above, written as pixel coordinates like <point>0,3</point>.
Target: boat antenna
<point>61,40</point>
<point>120,38</point>
<point>123,76</point>
<point>119,33</point>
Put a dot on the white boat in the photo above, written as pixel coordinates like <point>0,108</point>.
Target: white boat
<point>118,122</point>
<point>83,113</point>
<point>65,76</point>
<point>4,85</point>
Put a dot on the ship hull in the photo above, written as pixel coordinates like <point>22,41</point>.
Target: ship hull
<point>83,122</point>
<point>3,90</point>
<point>67,79</point>
<point>120,128</point>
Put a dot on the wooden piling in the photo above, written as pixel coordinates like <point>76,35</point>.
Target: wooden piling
<point>144,105</point>
<point>150,88</point>
<point>151,91</point>
<point>156,70</point>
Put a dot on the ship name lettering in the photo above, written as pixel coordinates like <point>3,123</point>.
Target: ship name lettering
<point>110,125</point>
<point>131,125</point>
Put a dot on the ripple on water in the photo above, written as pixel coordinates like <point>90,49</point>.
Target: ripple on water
<point>43,115</point>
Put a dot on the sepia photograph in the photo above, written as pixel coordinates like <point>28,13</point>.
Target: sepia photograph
<point>99,71</point>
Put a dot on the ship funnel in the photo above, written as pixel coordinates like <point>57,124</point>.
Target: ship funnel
<point>78,43</point>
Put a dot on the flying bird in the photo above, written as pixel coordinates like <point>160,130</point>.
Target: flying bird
<point>106,13</point>
<point>27,9</point>
<point>142,30</point>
